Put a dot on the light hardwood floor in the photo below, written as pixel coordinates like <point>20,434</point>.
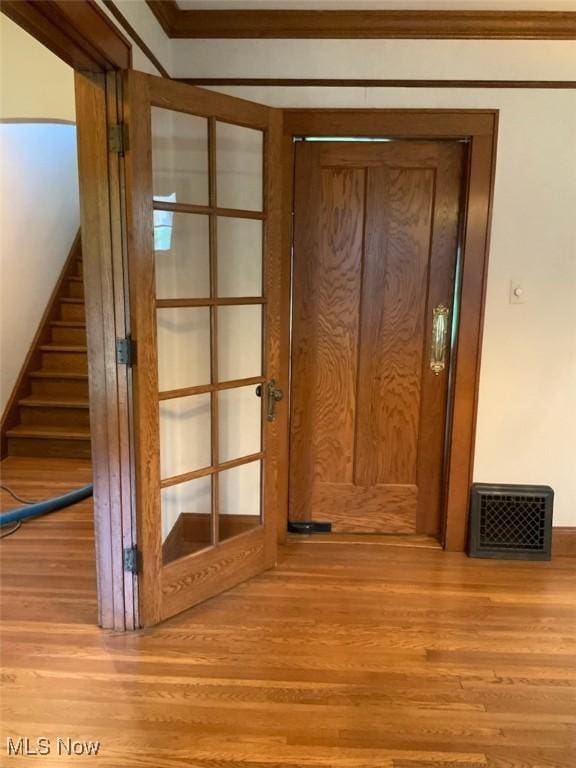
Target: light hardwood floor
<point>345,656</point>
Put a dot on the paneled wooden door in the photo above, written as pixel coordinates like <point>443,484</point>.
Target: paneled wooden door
<point>375,254</point>
<point>202,232</point>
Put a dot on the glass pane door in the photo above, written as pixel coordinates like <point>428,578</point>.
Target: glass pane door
<point>209,326</point>
<point>204,315</point>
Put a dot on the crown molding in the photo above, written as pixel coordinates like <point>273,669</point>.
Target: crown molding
<point>376,83</point>
<point>274,24</point>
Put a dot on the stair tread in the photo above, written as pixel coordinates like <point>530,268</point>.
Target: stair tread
<point>50,374</point>
<point>71,300</point>
<point>69,323</point>
<point>61,433</point>
<point>53,401</point>
<point>75,278</point>
<point>63,348</point>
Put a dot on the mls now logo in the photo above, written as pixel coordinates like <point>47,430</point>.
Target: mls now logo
<point>26,747</point>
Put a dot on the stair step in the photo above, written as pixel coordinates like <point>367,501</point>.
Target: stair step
<point>49,441</point>
<point>72,308</point>
<point>64,348</point>
<point>58,383</point>
<point>68,332</point>
<point>72,357</point>
<point>76,375</point>
<point>52,401</point>
<point>54,411</point>
<point>69,323</point>
<point>75,288</point>
<point>76,279</point>
<point>37,432</point>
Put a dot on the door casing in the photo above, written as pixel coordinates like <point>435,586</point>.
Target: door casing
<point>480,129</point>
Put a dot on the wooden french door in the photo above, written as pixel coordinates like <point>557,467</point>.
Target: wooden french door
<point>375,253</point>
<point>202,232</point>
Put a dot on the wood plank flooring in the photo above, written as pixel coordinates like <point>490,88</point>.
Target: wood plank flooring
<point>345,656</point>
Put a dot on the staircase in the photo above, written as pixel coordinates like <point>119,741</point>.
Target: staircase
<point>49,414</point>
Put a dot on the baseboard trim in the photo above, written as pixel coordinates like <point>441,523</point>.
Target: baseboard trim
<point>564,542</point>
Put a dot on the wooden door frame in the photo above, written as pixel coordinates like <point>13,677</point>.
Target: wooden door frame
<point>80,34</point>
<point>480,129</point>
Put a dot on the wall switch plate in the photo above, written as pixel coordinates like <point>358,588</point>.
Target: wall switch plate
<point>517,293</point>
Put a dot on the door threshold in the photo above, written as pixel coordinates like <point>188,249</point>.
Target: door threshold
<point>412,540</point>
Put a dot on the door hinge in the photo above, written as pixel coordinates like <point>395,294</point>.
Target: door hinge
<point>126,351</point>
<point>117,138</point>
<point>132,560</point>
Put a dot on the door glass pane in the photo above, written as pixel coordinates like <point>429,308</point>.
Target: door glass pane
<point>239,342</point>
<point>182,255</point>
<point>239,496</point>
<point>183,347</point>
<point>240,416</point>
<point>186,518</point>
<point>185,439</point>
<point>180,156</point>
<point>239,164</point>
<point>239,257</point>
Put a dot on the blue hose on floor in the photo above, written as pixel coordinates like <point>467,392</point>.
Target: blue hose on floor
<point>43,507</point>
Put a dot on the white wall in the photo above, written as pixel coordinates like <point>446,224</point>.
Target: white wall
<point>527,409</point>
<point>429,59</point>
<point>39,211</point>
<point>39,218</point>
<point>34,83</point>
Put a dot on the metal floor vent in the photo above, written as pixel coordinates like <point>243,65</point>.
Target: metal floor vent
<point>511,521</point>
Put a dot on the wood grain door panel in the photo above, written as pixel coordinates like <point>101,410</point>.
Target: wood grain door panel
<point>323,435</point>
<point>375,244</point>
<point>391,343</point>
<point>365,509</point>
